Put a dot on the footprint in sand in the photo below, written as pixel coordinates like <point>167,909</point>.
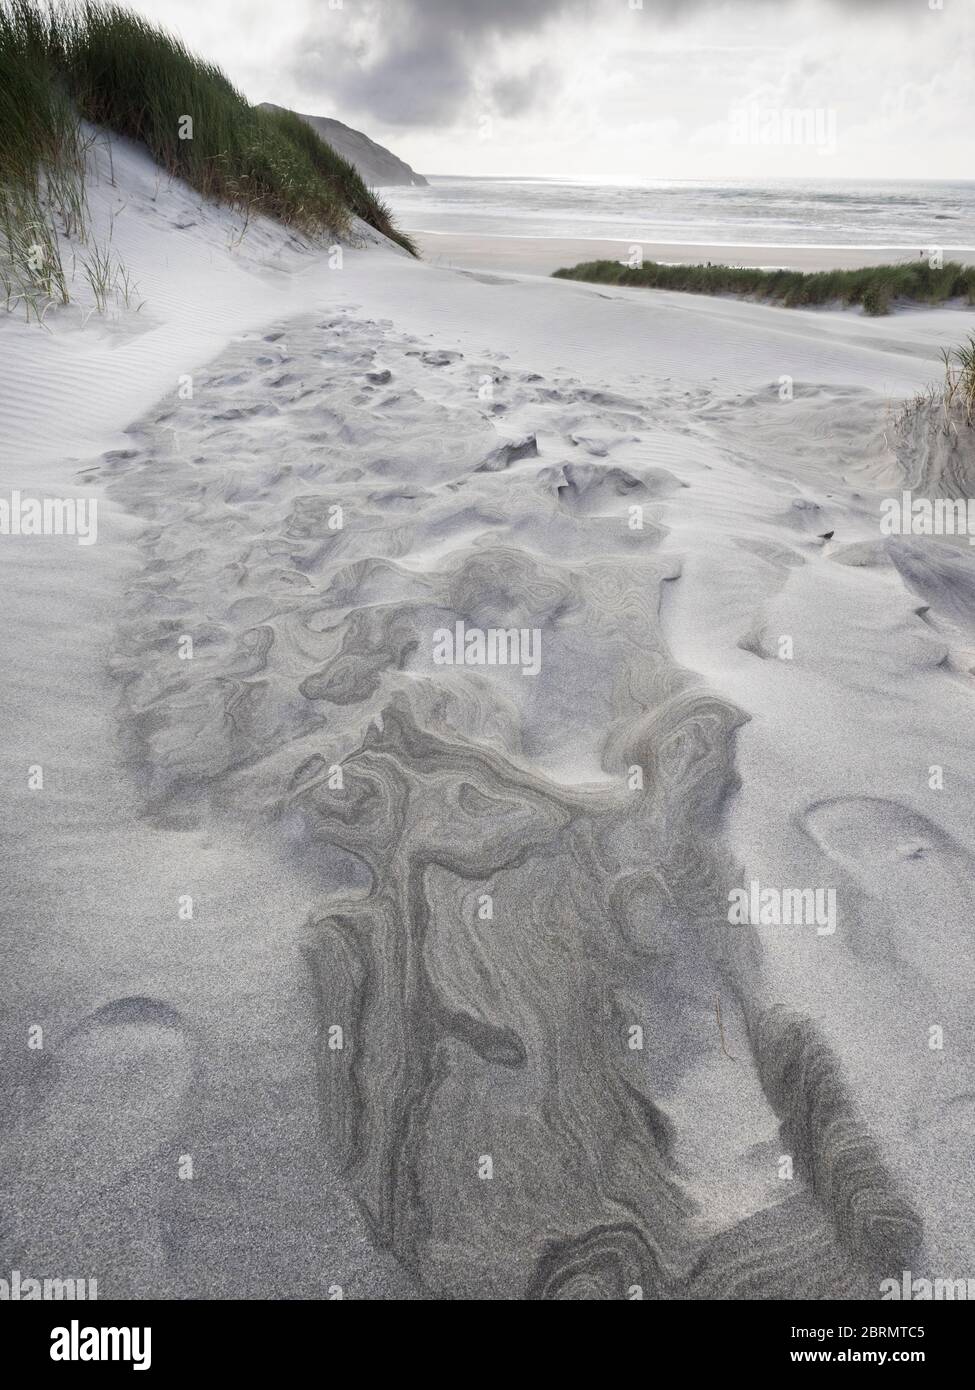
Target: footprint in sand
<point>875,839</point>
<point>111,1094</point>
<point>914,877</point>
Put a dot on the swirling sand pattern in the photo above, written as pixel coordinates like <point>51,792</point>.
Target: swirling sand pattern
<point>583,805</point>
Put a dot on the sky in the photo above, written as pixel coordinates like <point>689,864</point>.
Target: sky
<point>616,90</point>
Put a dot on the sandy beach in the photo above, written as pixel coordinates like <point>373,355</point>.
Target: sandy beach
<point>421,965</point>
<point>543,255</point>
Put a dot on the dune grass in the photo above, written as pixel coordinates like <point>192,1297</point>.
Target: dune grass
<point>331,167</point>
<point>950,403</point>
<point>66,62</point>
<point>959,387</point>
<point>874,288</point>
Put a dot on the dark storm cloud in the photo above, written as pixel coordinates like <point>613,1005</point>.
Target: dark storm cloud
<point>427,58</point>
<point>423,65</point>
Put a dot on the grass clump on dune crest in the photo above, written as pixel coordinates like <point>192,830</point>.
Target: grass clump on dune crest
<point>62,62</point>
<point>874,287</point>
<point>960,379</point>
<point>952,402</point>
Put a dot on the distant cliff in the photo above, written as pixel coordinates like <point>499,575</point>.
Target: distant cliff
<point>377,166</point>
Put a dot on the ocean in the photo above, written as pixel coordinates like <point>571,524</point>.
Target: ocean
<point>914,216</point>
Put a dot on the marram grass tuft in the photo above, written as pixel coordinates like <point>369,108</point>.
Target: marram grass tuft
<point>60,63</point>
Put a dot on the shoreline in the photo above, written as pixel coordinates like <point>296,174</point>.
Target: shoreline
<point>524,255</point>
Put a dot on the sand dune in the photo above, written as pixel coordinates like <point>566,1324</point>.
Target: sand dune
<point>459,1011</point>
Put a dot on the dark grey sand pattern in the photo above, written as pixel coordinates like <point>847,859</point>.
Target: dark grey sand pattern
<point>547,1065</point>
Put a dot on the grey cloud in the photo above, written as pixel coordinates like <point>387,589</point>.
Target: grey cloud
<point>427,56</point>
<point>428,59</point>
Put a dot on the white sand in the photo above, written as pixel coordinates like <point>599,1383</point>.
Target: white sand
<point>166,1038</point>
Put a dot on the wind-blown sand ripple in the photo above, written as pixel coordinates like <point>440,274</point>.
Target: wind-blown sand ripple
<point>523,875</point>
